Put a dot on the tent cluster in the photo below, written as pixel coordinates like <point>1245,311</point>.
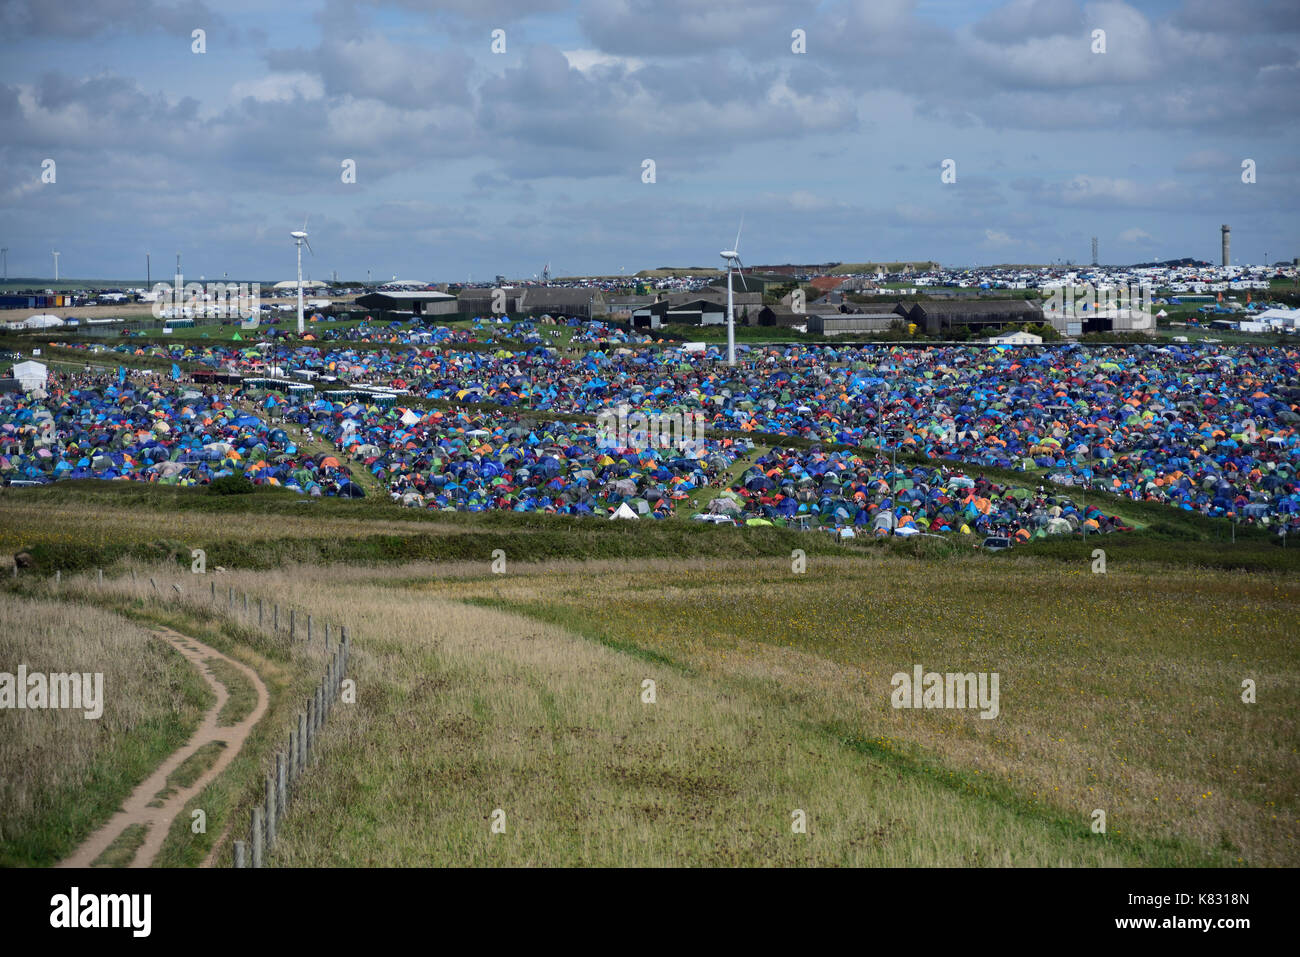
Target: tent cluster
<point>842,489</point>
<point>178,437</point>
<point>1210,431</point>
<point>455,461</point>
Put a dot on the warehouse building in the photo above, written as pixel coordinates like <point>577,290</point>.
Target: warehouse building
<point>421,303</point>
<point>841,324</point>
<point>938,317</point>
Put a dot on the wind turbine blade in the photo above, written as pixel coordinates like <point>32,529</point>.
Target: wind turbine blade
<point>742,226</point>
<point>309,249</point>
<point>304,221</point>
<point>739,266</point>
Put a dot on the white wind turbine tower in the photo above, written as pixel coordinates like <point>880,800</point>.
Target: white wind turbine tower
<point>56,265</point>
<point>299,240</point>
<point>732,258</point>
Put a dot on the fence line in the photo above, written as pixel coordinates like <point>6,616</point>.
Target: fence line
<point>300,750</point>
<point>299,753</point>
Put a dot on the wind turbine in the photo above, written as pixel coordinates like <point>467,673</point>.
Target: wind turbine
<point>299,240</point>
<point>732,258</point>
<point>56,265</point>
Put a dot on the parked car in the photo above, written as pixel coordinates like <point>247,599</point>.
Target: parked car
<point>996,543</point>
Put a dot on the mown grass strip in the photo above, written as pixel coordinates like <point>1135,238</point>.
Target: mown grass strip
<point>124,847</point>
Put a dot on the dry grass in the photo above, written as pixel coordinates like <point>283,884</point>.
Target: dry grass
<point>61,775</point>
<point>462,711</point>
<point>1119,691</point>
<point>289,670</point>
<point>25,525</point>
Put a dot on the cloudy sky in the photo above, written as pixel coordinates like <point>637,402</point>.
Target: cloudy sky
<point>471,162</point>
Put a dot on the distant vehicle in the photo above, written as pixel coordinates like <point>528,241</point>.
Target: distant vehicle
<point>996,544</point>
<point>714,519</point>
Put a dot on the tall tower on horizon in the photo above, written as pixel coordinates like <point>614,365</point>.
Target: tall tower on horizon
<point>1094,250</point>
<point>1227,244</point>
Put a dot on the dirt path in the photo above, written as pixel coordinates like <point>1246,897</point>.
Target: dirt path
<point>158,820</point>
<point>316,446</point>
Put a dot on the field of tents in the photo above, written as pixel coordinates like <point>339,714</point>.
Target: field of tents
<point>673,686</point>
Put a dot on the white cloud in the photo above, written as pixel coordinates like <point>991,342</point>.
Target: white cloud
<point>585,60</point>
<point>279,88</point>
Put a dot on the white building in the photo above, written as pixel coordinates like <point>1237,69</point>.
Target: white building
<point>1017,338</point>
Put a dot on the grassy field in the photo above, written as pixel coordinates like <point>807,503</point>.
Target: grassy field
<point>1120,691</point>
<point>469,717</point>
<point>290,671</point>
<point>61,775</point>
<point>523,693</point>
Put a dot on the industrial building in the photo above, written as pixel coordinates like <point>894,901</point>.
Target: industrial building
<point>841,324</point>
<point>421,303</point>
<point>936,317</point>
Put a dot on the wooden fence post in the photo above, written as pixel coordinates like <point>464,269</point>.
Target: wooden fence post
<point>291,613</point>
<point>213,585</point>
<point>281,785</point>
<point>302,743</point>
<point>311,728</point>
<point>241,856</point>
<point>275,626</point>
<point>327,636</point>
<point>271,805</point>
<point>259,612</point>
<point>258,836</point>
<point>309,629</point>
<point>58,576</point>
<point>101,577</point>
<point>293,754</point>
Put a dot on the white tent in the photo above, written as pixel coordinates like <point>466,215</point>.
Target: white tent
<point>30,375</point>
<point>44,321</point>
<point>623,511</point>
<point>306,284</point>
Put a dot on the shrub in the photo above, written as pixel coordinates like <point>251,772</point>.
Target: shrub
<point>230,485</point>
